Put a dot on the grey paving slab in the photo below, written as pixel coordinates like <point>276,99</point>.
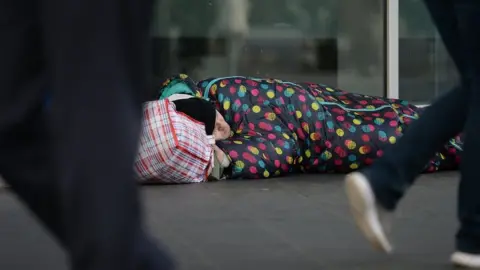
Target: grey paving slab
<point>299,223</point>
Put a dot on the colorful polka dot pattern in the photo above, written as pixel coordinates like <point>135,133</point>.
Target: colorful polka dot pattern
<point>281,127</point>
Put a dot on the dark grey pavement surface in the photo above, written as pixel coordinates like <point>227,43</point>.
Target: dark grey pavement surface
<point>294,223</point>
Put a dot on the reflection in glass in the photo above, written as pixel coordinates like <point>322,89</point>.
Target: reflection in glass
<point>426,69</point>
<point>337,42</point>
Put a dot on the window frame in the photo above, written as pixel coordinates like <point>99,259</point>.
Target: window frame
<point>392,49</point>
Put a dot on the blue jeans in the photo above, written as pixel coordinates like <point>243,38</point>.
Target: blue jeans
<point>456,111</point>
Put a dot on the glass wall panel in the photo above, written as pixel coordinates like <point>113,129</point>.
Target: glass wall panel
<point>337,42</point>
<point>426,69</point>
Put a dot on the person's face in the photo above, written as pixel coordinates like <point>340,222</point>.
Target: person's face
<point>222,129</point>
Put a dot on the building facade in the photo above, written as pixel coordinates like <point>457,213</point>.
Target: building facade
<point>386,48</point>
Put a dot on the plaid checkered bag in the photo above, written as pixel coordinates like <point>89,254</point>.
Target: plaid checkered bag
<point>174,148</point>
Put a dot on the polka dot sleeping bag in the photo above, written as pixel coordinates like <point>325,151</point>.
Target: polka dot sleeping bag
<point>280,127</point>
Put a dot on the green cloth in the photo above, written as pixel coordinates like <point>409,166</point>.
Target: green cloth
<point>176,86</point>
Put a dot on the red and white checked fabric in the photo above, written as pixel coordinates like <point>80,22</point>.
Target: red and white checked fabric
<point>173,147</point>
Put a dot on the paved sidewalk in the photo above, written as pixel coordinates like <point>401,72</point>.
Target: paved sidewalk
<point>295,223</point>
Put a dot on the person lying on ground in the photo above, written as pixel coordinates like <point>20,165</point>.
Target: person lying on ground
<point>215,126</point>
<point>279,128</point>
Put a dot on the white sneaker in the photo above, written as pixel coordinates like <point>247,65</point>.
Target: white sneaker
<point>370,218</point>
<point>466,260</point>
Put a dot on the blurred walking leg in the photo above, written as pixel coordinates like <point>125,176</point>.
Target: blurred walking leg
<point>25,156</point>
<point>92,209</point>
<point>468,236</point>
<point>378,189</point>
<point>98,59</point>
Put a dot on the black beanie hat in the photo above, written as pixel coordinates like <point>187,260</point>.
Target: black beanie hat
<point>200,110</point>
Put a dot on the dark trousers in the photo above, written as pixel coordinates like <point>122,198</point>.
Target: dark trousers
<point>73,165</point>
<point>458,22</point>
